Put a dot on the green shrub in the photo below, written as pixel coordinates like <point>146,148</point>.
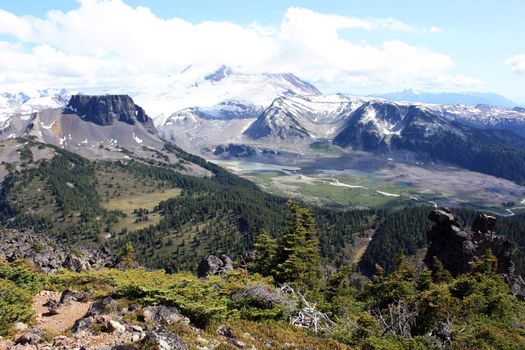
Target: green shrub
<point>15,306</point>
<point>22,275</point>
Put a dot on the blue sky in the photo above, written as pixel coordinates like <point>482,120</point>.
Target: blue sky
<point>374,46</point>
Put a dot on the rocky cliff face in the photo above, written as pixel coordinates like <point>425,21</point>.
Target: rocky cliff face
<point>106,109</point>
<point>457,247</point>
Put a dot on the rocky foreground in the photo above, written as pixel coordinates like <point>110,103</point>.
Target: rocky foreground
<point>74,298</point>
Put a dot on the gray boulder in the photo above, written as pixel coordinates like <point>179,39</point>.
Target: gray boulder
<point>49,256</point>
<point>69,296</point>
<point>162,339</point>
<point>211,265</point>
<point>102,307</point>
<point>164,315</point>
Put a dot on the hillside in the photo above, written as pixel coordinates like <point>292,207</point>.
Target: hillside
<point>174,219</point>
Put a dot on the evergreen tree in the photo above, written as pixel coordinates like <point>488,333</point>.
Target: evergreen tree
<point>298,258</point>
<point>265,253</point>
<point>127,257</point>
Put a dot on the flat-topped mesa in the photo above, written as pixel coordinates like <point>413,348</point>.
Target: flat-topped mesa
<point>106,109</point>
<point>456,247</point>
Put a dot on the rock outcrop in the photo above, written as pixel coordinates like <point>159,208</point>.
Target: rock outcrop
<point>212,265</point>
<point>456,247</point>
<point>49,256</point>
<point>235,150</point>
<point>106,109</point>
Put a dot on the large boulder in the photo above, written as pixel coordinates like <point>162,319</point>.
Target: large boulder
<point>69,296</point>
<point>32,337</point>
<point>164,315</point>
<point>212,265</point>
<point>456,247</point>
<point>103,306</point>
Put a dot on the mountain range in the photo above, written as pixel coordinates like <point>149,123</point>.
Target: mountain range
<point>220,112</point>
<point>448,98</point>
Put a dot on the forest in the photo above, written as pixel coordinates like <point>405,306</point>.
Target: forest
<point>67,197</point>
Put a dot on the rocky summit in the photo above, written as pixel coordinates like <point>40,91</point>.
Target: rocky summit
<point>106,109</point>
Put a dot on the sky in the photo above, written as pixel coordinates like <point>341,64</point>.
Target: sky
<point>346,46</point>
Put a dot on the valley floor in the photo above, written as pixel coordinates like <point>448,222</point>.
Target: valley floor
<point>364,180</point>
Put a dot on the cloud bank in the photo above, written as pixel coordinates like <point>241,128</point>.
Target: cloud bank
<point>106,43</point>
<point>517,64</point>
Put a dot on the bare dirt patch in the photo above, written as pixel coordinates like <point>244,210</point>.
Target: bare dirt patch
<point>67,315</point>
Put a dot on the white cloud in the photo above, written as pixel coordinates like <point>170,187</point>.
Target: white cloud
<point>106,43</point>
<point>517,64</point>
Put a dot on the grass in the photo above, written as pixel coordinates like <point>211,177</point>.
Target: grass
<point>146,201</point>
<point>325,148</point>
<point>124,191</point>
<point>141,200</point>
<point>329,195</point>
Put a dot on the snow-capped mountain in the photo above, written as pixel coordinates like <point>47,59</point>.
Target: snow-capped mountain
<point>224,111</point>
<point>27,102</point>
<point>485,116</point>
<point>218,92</point>
<point>293,121</point>
<point>290,117</point>
<point>381,125</point>
<point>387,127</point>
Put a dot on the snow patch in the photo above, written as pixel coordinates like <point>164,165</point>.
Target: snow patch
<point>47,127</point>
<point>388,194</point>
<point>335,182</point>
<point>137,140</point>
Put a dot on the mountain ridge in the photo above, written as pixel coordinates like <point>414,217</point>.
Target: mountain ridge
<point>449,98</point>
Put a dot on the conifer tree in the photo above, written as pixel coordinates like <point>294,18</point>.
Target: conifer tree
<point>298,258</point>
<point>127,257</point>
<point>265,252</point>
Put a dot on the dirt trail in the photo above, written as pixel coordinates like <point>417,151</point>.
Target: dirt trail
<point>66,317</point>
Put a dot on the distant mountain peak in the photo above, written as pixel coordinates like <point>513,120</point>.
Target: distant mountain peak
<point>448,98</point>
<point>219,74</point>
